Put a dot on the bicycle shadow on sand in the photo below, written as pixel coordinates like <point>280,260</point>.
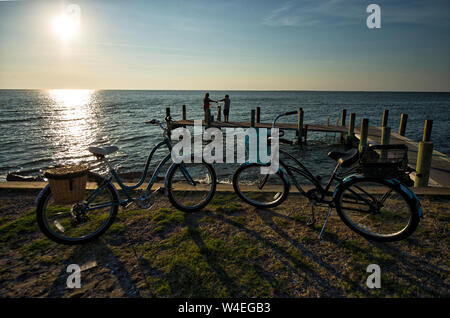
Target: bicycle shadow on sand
<point>97,261</point>
<point>290,261</point>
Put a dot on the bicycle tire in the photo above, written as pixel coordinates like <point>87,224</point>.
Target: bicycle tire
<point>255,203</point>
<point>176,203</point>
<point>43,225</point>
<point>404,198</point>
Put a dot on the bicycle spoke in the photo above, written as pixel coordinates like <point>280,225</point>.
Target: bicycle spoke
<point>386,213</point>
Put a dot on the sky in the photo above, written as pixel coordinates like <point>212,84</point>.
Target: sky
<point>227,45</point>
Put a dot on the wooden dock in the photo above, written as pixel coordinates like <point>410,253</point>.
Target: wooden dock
<point>440,165</point>
<point>285,126</point>
<point>439,169</point>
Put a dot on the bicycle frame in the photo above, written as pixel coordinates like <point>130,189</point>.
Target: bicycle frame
<point>126,188</point>
<point>302,170</point>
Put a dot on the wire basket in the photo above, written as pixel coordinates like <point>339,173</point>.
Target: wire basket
<point>67,183</point>
<point>384,161</point>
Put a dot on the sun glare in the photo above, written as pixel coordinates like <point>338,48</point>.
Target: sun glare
<point>65,26</point>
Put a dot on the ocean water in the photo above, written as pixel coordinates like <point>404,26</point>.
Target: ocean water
<point>41,128</point>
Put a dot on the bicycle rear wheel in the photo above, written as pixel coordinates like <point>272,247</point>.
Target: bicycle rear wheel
<point>377,209</point>
<point>259,190</point>
<point>191,186</point>
<point>80,222</point>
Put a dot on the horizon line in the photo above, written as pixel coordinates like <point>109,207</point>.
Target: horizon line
<point>236,90</point>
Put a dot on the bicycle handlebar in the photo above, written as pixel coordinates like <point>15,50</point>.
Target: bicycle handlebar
<point>281,115</point>
<point>156,122</point>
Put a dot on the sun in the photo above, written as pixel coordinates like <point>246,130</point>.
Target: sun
<point>65,26</point>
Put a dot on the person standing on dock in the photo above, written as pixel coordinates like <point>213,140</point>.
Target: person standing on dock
<point>226,107</point>
<point>207,103</point>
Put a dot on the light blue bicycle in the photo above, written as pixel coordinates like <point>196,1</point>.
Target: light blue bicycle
<point>189,187</point>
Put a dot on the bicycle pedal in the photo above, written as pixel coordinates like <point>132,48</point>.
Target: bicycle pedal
<point>145,202</point>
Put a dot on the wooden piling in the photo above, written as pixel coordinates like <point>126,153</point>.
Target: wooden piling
<point>183,114</point>
<point>427,130</point>
<point>385,140</point>
<point>328,121</point>
<point>363,134</point>
<point>219,113</point>
<point>402,127</point>
<point>385,135</point>
<point>351,126</point>
<point>305,134</point>
<point>343,117</point>
<point>424,157</point>
<point>252,118</point>
<point>258,114</point>
<point>300,119</point>
<point>384,121</point>
<point>169,128</point>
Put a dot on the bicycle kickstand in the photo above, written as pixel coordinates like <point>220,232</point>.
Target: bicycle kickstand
<point>325,223</point>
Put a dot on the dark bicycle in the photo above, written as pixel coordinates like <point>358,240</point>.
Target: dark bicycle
<point>369,196</point>
<point>90,217</point>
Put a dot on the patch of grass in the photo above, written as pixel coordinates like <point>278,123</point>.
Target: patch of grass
<point>37,246</point>
<point>3,220</point>
<point>125,214</point>
<point>228,208</point>
<point>165,218</point>
<point>116,228</point>
<point>241,220</point>
<point>444,217</point>
<point>364,254</point>
<point>19,229</point>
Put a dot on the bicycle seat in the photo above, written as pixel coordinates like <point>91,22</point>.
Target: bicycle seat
<point>97,151</point>
<point>345,159</point>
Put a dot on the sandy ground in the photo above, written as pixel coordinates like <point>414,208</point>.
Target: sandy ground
<point>229,249</point>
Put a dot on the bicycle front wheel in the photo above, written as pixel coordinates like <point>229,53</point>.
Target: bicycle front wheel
<point>191,186</point>
<point>259,190</point>
<point>377,209</point>
<point>79,222</point>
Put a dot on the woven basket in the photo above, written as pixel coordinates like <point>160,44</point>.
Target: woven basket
<point>67,183</point>
<point>384,161</point>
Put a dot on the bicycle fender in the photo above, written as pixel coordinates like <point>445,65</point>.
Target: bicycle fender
<point>351,177</point>
<point>412,196</point>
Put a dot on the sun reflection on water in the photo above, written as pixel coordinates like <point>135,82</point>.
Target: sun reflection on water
<point>73,123</point>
